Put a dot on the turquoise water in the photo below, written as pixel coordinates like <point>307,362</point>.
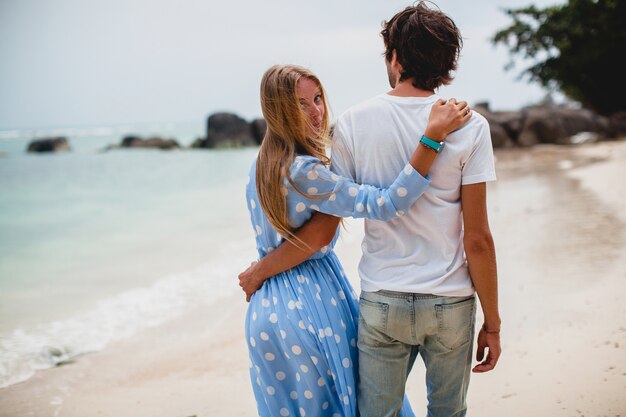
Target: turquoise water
<point>95,246</point>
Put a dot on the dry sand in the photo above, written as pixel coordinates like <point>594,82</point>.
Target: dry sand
<point>558,215</point>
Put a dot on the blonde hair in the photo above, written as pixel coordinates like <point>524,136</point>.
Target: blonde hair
<point>288,132</point>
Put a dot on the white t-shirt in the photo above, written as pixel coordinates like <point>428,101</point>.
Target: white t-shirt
<point>422,251</point>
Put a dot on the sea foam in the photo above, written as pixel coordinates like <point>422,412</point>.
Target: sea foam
<point>22,352</point>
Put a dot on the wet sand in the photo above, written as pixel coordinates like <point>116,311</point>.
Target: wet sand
<point>558,216</point>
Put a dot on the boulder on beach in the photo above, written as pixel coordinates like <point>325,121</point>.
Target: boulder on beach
<point>549,123</point>
<point>617,123</point>
<point>259,127</point>
<point>558,124</point>
<point>228,130</point>
<point>57,144</point>
<point>133,141</point>
<point>499,125</point>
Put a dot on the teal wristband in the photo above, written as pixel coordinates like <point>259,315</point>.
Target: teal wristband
<point>436,146</point>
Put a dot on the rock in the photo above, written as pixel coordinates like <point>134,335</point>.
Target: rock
<point>130,141</point>
<point>617,124</point>
<point>227,130</point>
<point>511,122</point>
<point>482,106</point>
<point>198,143</point>
<point>259,127</point>
<point>558,124</point>
<point>549,123</point>
<point>58,144</point>
<point>500,137</point>
<point>133,141</point>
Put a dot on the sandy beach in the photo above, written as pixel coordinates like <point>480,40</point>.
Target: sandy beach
<point>558,216</point>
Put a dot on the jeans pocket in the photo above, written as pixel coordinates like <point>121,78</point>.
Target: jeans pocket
<point>374,313</point>
<point>455,322</point>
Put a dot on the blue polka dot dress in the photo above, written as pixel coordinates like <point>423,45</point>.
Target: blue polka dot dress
<point>301,325</point>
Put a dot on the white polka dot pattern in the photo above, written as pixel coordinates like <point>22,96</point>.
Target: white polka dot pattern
<point>312,175</point>
<point>301,326</point>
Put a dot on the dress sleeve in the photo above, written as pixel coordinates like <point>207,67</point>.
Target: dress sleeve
<point>333,194</point>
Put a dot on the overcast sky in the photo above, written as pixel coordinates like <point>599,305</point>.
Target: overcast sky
<point>67,63</point>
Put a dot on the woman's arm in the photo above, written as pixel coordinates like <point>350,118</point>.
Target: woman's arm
<point>318,232</point>
<point>445,117</point>
<point>320,229</point>
<point>312,186</point>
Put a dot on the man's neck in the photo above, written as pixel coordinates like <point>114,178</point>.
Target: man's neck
<point>407,89</point>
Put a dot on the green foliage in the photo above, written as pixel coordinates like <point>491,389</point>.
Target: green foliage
<point>578,48</point>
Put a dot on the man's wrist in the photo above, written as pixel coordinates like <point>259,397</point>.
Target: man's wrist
<point>491,329</point>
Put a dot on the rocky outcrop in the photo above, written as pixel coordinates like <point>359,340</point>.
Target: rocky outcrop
<point>58,144</point>
<point>544,123</point>
<point>617,123</point>
<point>227,130</point>
<point>152,142</point>
<point>557,125</point>
<point>549,124</point>
<point>259,127</point>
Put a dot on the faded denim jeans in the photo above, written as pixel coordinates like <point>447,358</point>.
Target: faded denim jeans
<point>394,328</point>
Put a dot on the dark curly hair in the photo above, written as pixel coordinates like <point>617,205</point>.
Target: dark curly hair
<point>427,43</point>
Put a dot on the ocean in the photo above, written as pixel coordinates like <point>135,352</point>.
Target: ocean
<point>97,246</point>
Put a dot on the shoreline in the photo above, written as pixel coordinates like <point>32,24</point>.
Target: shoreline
<point>560,230</point>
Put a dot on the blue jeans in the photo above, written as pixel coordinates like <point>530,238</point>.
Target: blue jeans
<point>394,328</point>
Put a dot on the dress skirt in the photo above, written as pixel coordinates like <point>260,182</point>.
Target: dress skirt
<point>301,330</point>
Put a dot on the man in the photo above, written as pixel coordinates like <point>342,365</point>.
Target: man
<point>417,271</point>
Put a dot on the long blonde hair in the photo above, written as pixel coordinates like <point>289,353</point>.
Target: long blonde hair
<point>288,132</point>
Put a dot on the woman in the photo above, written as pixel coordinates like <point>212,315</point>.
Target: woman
<point>301,325</point>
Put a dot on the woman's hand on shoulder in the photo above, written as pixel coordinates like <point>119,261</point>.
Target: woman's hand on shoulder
<point>446,116</point>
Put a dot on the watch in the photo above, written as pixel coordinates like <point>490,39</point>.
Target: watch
<point>434,145</point>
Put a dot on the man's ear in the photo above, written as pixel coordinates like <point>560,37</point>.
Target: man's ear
<point>395,64</point>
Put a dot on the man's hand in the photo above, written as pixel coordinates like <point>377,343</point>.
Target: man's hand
<point>249,281</point>
<point>489,341</point>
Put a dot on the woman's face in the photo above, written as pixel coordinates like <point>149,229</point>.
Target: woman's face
<point>311,101</point>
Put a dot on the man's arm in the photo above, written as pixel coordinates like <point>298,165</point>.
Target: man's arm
<point>481,259</point>
<point>318,232</point>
